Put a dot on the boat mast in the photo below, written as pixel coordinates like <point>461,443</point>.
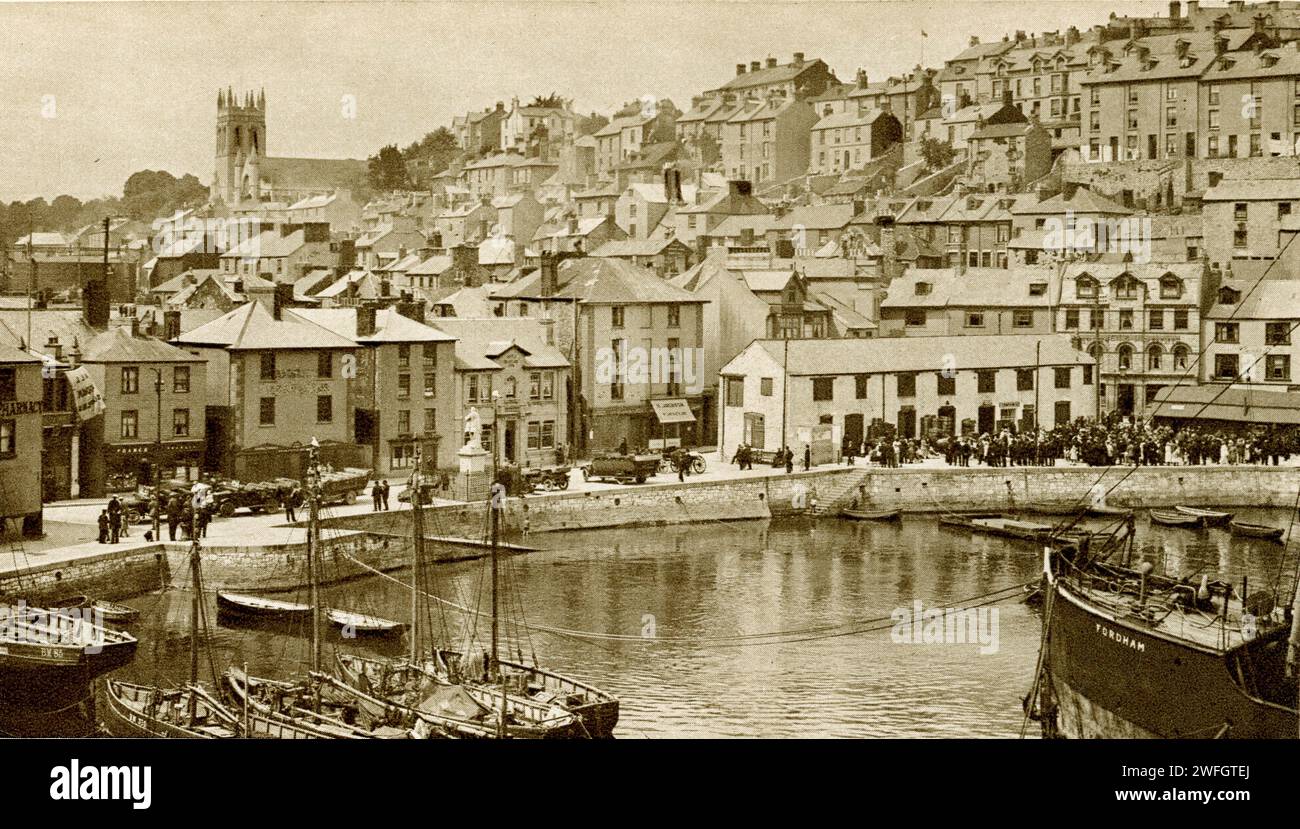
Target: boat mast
<point>195,595</point>
<point>417,554</point>
<point>313,542</point>
<point>498,498</point>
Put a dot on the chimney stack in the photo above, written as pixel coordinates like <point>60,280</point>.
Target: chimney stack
<point>755,65</point>
<point>740,69</point>
<point>549,278</point>
<point>888,265</point>
<point>171,325</point>
<point>412,309</point>
<point>366,320</point>
<point>974,40</point>
<point>1175,10</point>
<point>283,299</point>
<point>94,304</point>
<point>54,348</point>
<point>798,60</point>
<point>771,63</point>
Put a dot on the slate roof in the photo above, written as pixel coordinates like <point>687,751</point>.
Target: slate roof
<point>252,327</point>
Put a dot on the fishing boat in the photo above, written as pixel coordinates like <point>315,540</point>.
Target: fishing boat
<point>259,607</point>
<point>1176,519</point>
<point>1209,517</point>
<point>73,602</point>
<point>1248,530</point>
<point>871,515</point>
<point>133,710</point>
<point>362,623</point>
<point>1129,653</point>
<point>523,701</point>
<point>305,707</point>
<point>1000,525</point>
<point>50,658</point>
<point>1104,511</point>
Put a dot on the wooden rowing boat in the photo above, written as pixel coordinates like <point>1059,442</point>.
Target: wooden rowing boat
<point>1249,530</point>
<point>871,515</point>
<point>1101,510</point>
<point>114,612</point>
<point>1209,517</point>
<point>1176,519</point>
<point>239,604</point>
<point>302,706</point>
<point>362,623</point>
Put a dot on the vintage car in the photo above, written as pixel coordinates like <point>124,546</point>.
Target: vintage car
<point>621,468</point>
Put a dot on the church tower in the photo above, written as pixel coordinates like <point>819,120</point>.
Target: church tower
<point>241,143</point>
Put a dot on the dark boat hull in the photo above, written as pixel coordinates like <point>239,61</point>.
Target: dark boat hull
<point>127,712</point>
<point>40,678</point>
<point>1112,679</point>
<point>231,607</point>
<point>871,515</point>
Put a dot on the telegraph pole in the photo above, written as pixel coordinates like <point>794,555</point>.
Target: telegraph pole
<point>1097,321</point>
<point>157,460</point>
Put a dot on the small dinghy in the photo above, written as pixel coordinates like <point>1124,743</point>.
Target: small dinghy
<point>362,623</point>
<point>1177,519</point>
<point>1248,530</point>
<point>259,607</point>
<point>871,514</point>
<point>114,612</point>
<point>1209,517</point>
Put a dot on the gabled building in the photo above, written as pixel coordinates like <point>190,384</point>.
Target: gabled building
<point>850,140</point>
<point>662,257</point>
<point>970,302</point>
<point>768,139</point>
<point>20,443</point>
<point>800,78</point>
<point>1249,328</point>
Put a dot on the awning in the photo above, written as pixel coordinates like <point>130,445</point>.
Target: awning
<point>673,410</point>
<point>1214,402</point>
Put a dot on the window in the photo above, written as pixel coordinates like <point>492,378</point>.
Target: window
<point>1155,355</point>
<point>860,386</point>
<point>1156,320</point>
<point>974,319</point>
<point>403,456</point>
<point>266,417</point>
<point>735,391</point>
<point>325,408</point>
<point>907,385</point>
<point>1283,209</point>
<point>1096,320</point>
<point>1125,354</point>
<point>268,365</point>
<point>1181,353</point>
<point>181,380</point>
<point>1085,286</point>
<point>1126,320</point>
<point>1225,366</point>
<point>130,424</point>
<point>1278,367</point>
<point>430,385</point>
<point>1256,148</point>
<point>181,422</point>
<point>8,384</point>
<point>430,352</point>
<point>325,364</point>
<point>403,422</point>
<point>1226,332</point>
<point>512,388</point>
<point>403,386</point>
<point>1062,378</point>
<point>130,379</point>
<point>1024,379</point>
<point>403,356</point>
<point>1171,287</point>
<point>616,316</point>
<point>1213,96</point>
<point>823,388</point>
<point>548,385</point>
<point>1180,319</point>
<point>1125,287</point>
<point>1277,333</point>
<point>1072,318</point>
<point>1087,375</point>
<point>987,382</point>
<point>914,318</point>
<point>1239,211</point>
<point>674,316</point>
<point>430,421</point>
<point>765,386</point>
<point>535,385</point>
<point>8,438</point>
<point>1022,319</point>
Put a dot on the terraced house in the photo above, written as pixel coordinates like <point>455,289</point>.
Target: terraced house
<point>20,442</point>
<point>1250,329</point>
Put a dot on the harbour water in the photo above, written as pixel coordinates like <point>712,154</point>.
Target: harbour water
<point>682,597</point>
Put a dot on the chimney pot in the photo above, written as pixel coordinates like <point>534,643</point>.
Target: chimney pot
<point>740,69</point>
<point>755,65</point>
<point>798,59</point>
<point>771,63</point>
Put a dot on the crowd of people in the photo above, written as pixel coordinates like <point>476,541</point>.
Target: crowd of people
<point>1114,440</point>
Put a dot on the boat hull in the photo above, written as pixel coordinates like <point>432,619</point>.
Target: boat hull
<point>44,678</point>
<point>871,515</point>
<point>126,712</point>
<point>1111,679</point>
<point>231,605</point>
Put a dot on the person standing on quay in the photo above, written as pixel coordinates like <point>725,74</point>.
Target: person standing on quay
<point>289,504</point>
<point>114,518</point>
<point>103,526</point>
<point>789,459</point>
<point>173,516</point>
<point>807,457</point>
<point>376,496</point>
<point>383,493</point>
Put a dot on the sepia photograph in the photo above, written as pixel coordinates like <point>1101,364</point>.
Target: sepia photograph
<point>752,374</point>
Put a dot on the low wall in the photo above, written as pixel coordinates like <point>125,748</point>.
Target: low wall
<point>113,574</point>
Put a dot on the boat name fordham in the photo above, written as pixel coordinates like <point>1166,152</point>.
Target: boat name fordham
<point>1123,639</point>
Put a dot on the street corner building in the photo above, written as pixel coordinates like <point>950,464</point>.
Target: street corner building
<point>824,393</point>
<point>21,395</point>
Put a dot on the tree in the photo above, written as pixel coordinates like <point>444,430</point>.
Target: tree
<point>937,154</point>
<point>552,101</point>
<point>386,169</point>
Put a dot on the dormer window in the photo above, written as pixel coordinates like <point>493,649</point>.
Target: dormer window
<point>1086,286</point>
<point>1171,287</point>
<point>1038,289</point>
<point>1229,296</point>
<point>1125,286</point>
<point>923,288</point>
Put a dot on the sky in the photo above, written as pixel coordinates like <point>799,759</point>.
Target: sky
<point>92,92</point>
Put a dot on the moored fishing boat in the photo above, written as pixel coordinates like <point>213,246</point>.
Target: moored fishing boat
<point>49,658</point>
<point>1176,519</point>
<point>289,703</point>
<point>116,613</point>
<point>132,710</point>
<point>1209,517</point>
<point>362,623</point>
<point>1248,530</point>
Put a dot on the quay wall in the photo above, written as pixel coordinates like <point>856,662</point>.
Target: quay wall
<point>379,539</point>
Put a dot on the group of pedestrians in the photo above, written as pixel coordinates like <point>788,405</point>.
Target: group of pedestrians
<point>379,496</point>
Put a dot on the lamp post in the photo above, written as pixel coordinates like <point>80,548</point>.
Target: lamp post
<point>496,395</point>
<point>157,459</point>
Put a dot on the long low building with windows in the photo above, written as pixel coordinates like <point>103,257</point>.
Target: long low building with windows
<point>816,393</point>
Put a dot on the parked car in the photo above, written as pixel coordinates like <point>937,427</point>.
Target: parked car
<point>621,468</point>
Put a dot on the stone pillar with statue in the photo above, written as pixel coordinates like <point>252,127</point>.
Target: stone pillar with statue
<point>473,479</point>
